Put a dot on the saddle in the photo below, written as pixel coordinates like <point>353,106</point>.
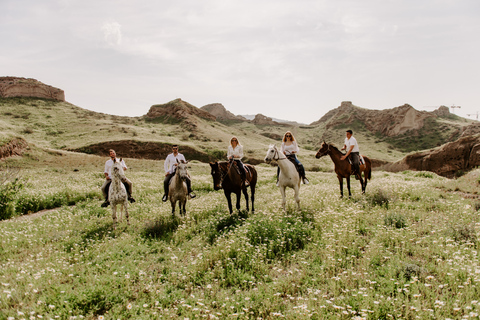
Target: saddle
<point>360,160</point>
<point>248,174</point>
<point>291,157</point>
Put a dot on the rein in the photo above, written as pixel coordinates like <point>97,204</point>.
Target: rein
<point>278,155</point>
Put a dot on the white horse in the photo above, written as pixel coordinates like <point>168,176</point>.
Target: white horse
<point>288,176</point>
<point>117,194</point>
<point>177,189</point>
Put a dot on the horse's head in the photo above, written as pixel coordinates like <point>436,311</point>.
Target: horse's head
<point>323,151</point>
<point>182,170</point>
<point>216,173</point>
<point>271,152</point>
<point>117,170</point>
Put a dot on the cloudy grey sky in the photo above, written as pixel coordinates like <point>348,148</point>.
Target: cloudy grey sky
<point>288,59</point>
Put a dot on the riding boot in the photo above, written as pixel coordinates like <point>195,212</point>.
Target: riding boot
<point>244,179</point>
<point>105,204</point>
<point>301,170</point>
<point>165,196</point>
<point>129,192</point>
<point>191,194</point>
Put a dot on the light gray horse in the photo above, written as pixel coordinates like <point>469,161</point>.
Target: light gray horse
<point>288,174</point>
<point>177,190</point>
<point>117,194</point>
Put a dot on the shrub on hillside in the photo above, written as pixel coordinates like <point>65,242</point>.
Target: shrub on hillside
<point>8,191</point>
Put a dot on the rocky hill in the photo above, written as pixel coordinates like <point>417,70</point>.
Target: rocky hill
<point>448,160</point>
<point>403,127</point>
<point>178,111</point>
<point>220,113</point>
<point>22,87</point>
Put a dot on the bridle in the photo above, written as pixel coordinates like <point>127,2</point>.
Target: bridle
<point>326,152</point>
<point>277,154</point>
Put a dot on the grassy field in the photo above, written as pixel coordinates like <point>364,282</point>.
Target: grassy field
<point>408,249</point>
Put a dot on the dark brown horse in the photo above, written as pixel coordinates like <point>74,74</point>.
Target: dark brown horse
<point>226,177</point>
<point>343,168</point>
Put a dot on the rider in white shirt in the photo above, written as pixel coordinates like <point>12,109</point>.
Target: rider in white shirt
<point>235,153</point>
<point>290,149</point>
<point>170,167</point>
<point>108,178</point>
<point>351,145</point>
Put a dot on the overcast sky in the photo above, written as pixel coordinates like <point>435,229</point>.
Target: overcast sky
<point>287,59</point>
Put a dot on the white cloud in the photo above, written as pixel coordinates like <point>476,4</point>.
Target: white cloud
<point>112,32</point>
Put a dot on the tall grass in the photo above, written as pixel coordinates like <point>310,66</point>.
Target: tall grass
<point>335,259</point>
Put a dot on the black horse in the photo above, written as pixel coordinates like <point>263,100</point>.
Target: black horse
<point>226,176</point>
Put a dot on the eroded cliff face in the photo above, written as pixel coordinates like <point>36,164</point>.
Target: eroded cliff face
<point>388,122</point>
<point>14,147</point>
<point>460,155</point>
<point>23,87</point>
<point>221,114</point>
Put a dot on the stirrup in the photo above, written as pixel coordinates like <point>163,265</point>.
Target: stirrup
<point>165,197</point>
<point>305,181</point>
<point>192,195</point>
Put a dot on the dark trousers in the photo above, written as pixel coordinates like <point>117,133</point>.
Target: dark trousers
<point>356,161</point>
<point>167,179</point>
<point>127,187</point>
<point>297,163</point>
<point>241,168</point>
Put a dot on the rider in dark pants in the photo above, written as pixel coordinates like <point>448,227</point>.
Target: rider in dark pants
<point>235,153</point>
<point>290,149</point>
<point>351,145</point>
<point>170,167</point>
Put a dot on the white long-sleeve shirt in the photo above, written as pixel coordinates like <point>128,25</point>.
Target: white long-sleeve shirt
<point>352,142</point>
<point>108,167</point>
<point>236,153</point>
<point>171,160</point>
<point>290,149</point>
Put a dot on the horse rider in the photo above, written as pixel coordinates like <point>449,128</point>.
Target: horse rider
<point>351,145</point>
<point>290,149</point>
<point>170,168</point>
<point>235,153</point>
<point>108,178</point>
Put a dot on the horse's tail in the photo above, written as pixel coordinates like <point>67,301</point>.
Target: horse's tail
<point>368,168</point>
<point>253,172</point>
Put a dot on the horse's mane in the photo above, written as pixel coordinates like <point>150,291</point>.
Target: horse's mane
<point>333,147</point>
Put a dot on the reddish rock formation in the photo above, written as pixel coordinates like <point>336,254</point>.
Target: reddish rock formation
<point>14,147</point>
<point>388,122</point>
<point>460,155</point>
<point>22,87</point>
<point>264,120</point>
<point>220,113</point>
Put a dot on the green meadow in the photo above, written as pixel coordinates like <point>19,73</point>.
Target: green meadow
<point>407,249</point>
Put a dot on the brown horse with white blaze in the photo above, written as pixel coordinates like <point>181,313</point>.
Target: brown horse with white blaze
<point>343,168</point>
<point>226,177</point>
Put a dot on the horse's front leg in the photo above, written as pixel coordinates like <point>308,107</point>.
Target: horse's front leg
<point>340,181</point>
<point>174,203</point>
<point>239,196</point>
<point>114,215</point>
<point>252,191</point>
<point>245,193</point>
<point>125,207</point>
<point>282,191</point>
<point>297,197</point>
<point>184,210</point>
<point>348,186</point>
<point>228,195</point>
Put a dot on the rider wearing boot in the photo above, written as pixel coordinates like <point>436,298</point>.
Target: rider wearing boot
<point>290,149</point>
<point>170,168</point>
<point>235,153</point>
<point>351,145</point>
<point>108,179</point>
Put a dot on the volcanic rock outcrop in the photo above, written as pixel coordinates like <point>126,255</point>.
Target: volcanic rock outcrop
<point>460,155</point>
<point>178,111</point>
<point>14,147</point>
<point>23,87</point>
<point>389,122</point>
<point>221,114</point>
